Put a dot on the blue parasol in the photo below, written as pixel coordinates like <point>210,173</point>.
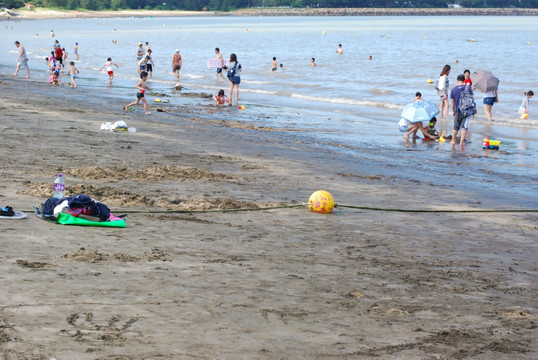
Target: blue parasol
<point>419,111</point>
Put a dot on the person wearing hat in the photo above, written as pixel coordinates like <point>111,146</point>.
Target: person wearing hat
<point>176,64</point>
<point>139,55</point>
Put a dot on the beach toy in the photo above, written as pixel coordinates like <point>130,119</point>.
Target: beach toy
<point>388,37</point>
<point>491,144</point>
<point>524,116</point>
<point>429,81</point>
<point>131,108</point>
<point>472,40</point>
<point>321,202</point>
<point>323,32</point>
<point>441,139</point>
<point>242,107</point>
<point>157,100</point>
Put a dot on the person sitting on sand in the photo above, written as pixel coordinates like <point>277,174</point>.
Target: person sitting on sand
<point>220,98</point>
<point>142,87</point>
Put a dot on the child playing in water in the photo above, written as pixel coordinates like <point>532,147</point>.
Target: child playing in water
<point>55,78</point>
<point>73,71</point>
<point>524,107</point>
<point>220,98</point>
<point>142,87</point>
<point>275,64</point>
<point>430,129</point>
<point>108,66</point>
<point>418,97</point>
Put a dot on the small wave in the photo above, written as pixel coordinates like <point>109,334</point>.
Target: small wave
<point>346,101</point>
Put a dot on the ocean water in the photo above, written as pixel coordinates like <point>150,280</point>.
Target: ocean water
<point>345,99</point>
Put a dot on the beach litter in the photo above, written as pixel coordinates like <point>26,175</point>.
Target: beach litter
<point>117,126</point>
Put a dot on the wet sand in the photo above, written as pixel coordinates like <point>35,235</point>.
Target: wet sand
<point>270,284</point>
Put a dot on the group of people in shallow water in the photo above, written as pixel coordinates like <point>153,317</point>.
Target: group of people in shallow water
<point>461,101</point>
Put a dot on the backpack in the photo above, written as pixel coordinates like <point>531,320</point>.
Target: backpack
<point>232,73</point>
<point>466,106</point>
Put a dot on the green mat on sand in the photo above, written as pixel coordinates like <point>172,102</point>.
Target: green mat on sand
<point>67,219</point>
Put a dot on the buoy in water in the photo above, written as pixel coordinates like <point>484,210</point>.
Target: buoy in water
<point>429,81</point>
<point>388,37</point>
<point>321,202</point>
<point>323,32</point>
<point>425,38</point>
<point>528,43</point>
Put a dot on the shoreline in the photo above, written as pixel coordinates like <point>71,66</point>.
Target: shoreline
<point>41,13</point>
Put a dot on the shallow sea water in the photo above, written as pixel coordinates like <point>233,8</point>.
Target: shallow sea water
<point>346,100</point>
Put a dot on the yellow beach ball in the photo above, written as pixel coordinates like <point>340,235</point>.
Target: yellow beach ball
<point>524,116</point>
<point>429,81</point>
<point>321,202</point>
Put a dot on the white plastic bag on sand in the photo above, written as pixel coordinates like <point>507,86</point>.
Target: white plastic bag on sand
<point>117,126</point>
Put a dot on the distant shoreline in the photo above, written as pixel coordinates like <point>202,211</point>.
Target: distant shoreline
<point>42,13</point>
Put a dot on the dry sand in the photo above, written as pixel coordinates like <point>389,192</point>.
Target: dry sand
<point>271,284</point>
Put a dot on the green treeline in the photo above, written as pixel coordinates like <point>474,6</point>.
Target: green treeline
<point>226,5</point>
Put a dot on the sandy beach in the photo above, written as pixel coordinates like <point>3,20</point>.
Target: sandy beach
<point>267,284</point>
<point>44,13</point>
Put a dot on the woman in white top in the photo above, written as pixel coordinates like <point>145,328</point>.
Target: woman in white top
<point>442,90</point>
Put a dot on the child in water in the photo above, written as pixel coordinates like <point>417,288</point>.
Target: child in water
<point>430,129</point>
<point>275,64</point>
<point>524,107</point>
<point>73,71</point>
<point>108,66</point>
<point>55,78</point>
<point>220,98</point>
<point>418,97</point>
<point>142,87</point>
